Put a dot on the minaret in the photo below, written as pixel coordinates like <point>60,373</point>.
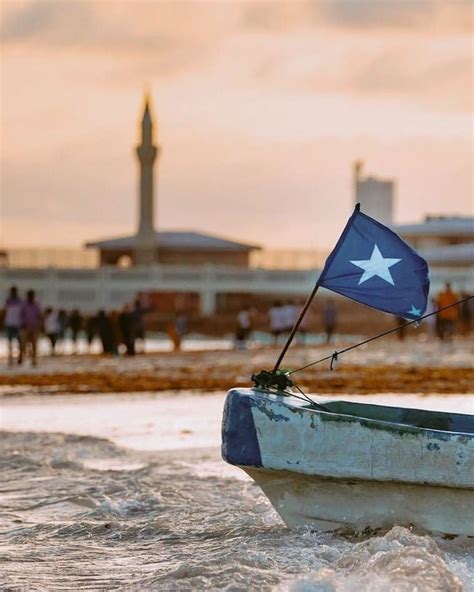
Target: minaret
<point>147,152</point>
<point>357,176</point>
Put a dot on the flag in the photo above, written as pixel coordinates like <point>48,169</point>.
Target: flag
<point>371,264</point>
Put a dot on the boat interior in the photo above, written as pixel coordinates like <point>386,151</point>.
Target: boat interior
<point>422,418</point>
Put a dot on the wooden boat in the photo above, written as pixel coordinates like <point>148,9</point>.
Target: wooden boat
<point>351,465</point>
<point>337,464</point>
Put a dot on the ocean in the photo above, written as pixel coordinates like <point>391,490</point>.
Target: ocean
<point>128,492</point>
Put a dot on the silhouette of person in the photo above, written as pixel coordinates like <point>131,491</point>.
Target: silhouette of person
<point>12,323</point>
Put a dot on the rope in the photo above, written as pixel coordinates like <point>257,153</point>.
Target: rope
<point>305,398</point>
<point>334,356</point>
<point>313,403</point>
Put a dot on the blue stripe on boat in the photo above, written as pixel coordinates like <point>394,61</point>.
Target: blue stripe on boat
<point>239,437</point>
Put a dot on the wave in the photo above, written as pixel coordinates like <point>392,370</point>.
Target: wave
<point>160,521</point>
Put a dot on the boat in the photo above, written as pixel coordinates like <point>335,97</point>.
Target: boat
<point>337,465</point>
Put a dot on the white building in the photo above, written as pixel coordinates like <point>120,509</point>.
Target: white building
<point>375,195</point>
<point>439,231</point>
<point>447,243</point>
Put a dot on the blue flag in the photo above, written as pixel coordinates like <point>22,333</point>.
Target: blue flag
<point>373,265</point>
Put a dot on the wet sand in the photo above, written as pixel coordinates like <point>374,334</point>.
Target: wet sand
<point>418,366</point>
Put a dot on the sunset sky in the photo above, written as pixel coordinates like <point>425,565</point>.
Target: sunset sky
<point>262,107</point>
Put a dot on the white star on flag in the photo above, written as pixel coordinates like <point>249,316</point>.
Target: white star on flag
<point>377,265</point>
<point>416,312</point>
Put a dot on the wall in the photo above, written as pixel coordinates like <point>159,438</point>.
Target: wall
<point>202,257</point>
<point>182,257</point>
<point>111,288</point>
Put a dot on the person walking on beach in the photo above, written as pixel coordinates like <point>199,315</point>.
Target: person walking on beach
<point>91,330</point>
<point>181,326</point>
<point>125,323</point>
<point>52,328</point>
<point>173,334</point>
<point>31,322</point>
<point>432,321</point>
<point>115,332</point>
<point>75,324</point>
<point>138,322</point>
<point>289,315</point>
<point>277,321</point>
<point>106,332</point>
<point>12,322</point>
<point>63,322</point>
<point>244,328</point>
<point>304,324</point>
<point>329,318</point>
<point>401,333</point>
<point>447,318</point>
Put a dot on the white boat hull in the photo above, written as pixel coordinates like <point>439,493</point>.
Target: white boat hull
<point>354,465</point>
<point>335,504</point>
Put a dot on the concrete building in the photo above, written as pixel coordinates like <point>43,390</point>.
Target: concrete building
<point>147,246</point>
<point>376,196</point>
<point>446,242</point>
<point>174,248</point>
<point>439,231</point>
<point>110,288</point>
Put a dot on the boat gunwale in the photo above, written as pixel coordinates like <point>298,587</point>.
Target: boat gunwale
<point>384,424</point>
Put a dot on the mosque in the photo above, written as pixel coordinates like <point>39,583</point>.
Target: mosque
<point>210,273</point>
<point>149,246</point>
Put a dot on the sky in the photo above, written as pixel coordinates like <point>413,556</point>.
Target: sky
<point>261,108</point>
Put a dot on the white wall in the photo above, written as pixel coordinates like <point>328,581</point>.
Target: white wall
<point>111,288</point>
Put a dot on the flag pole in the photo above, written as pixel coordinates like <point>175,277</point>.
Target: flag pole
<point>313,293</point>
<point>295,327</point>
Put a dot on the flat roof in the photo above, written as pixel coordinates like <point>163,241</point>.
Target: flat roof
<point>439,226</point>
<point>179,240</point>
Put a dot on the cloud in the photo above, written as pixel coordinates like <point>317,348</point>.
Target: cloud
<point>430,71</point>
<point>367,45</point>
<point>47,20</point>
<point>118,25</point>
<point>436,73</point>
<point>149,25</point>
<point>284,16</point>
<point>377,13</point>
<point>163,37</point>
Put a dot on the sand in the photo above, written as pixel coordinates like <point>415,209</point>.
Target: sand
<point>391,366</point>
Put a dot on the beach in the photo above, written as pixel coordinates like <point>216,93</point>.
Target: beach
<point>420,365</point>
<point>126,490</point>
